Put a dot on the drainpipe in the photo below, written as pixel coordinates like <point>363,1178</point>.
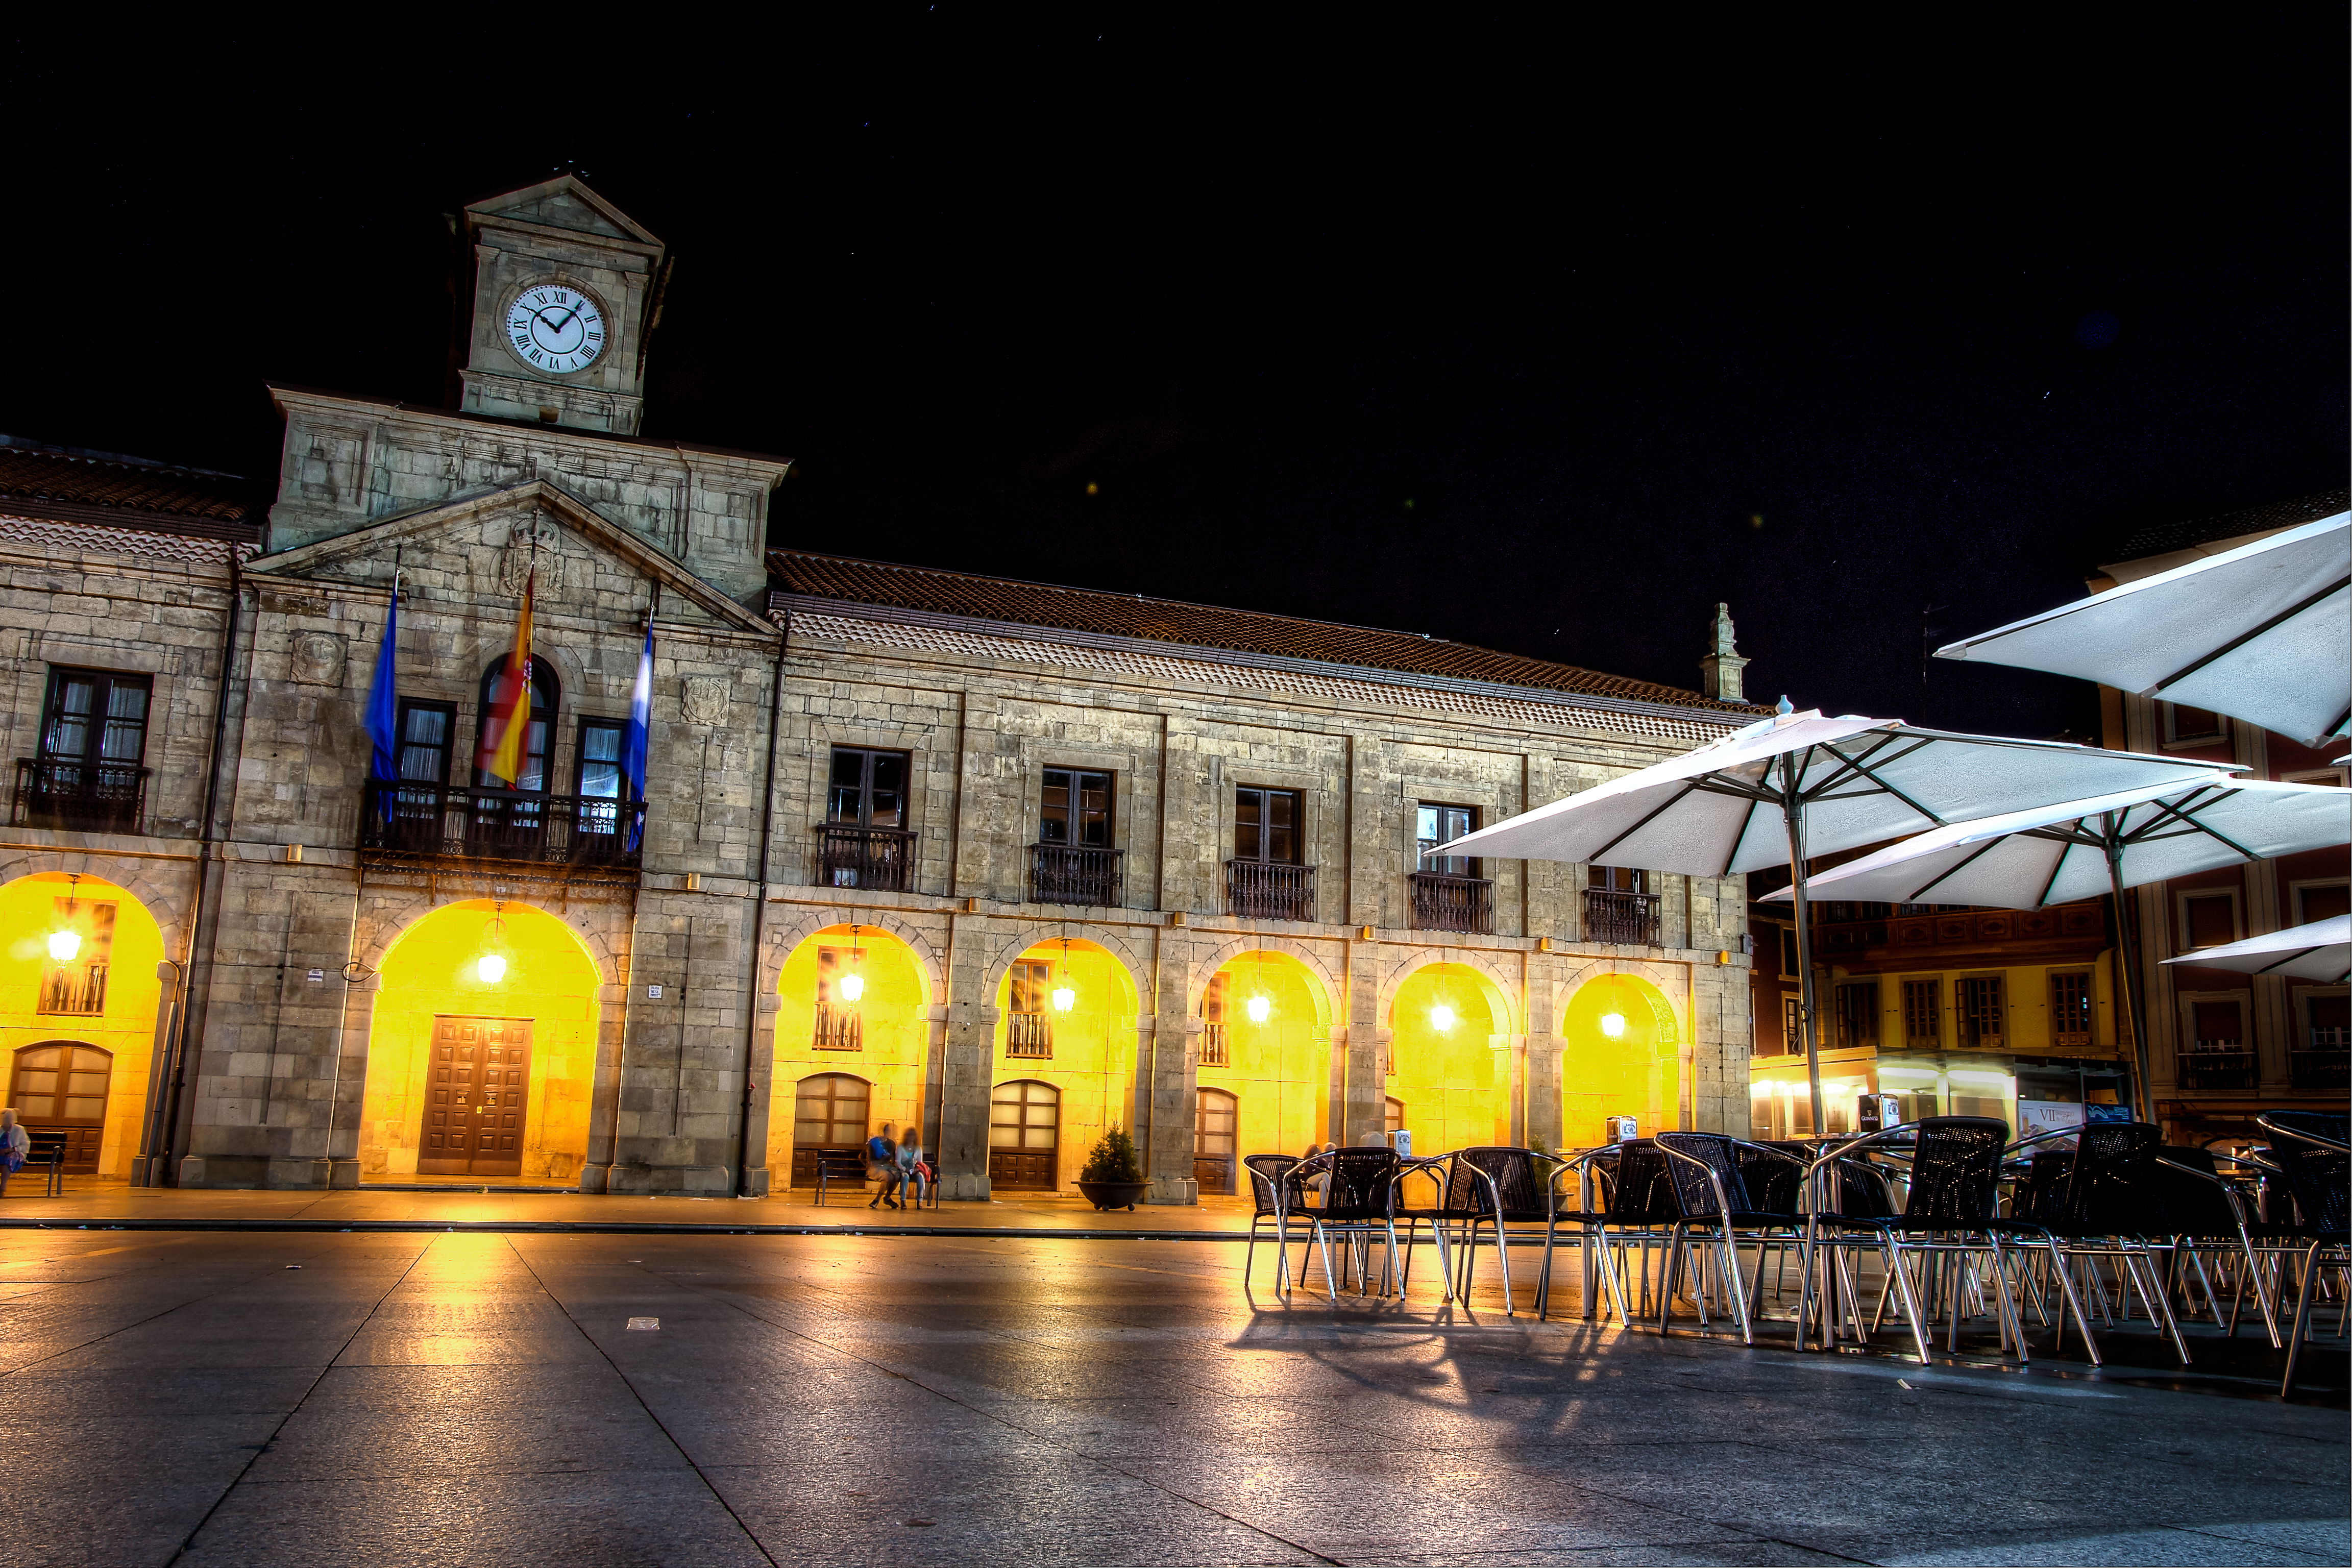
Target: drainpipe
<point>159,1138</point>
<point>760,914</point>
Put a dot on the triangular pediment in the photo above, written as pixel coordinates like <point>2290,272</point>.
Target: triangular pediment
<point>564,203</point>
<point>473,552</point>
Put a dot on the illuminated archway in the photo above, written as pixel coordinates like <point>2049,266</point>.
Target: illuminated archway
<point>453,989</point>
<point>1620,1055</point>
<point>1065,1015</point>
<point>1265,1039</point>
<point>79,966</point>
<point>851,999</point>
<point>1449,1059</point>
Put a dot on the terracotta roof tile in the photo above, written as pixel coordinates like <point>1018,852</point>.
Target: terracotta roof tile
<point>2164,537</point>
<point>59,474</point>
<point>851,581</point>
<point>52,537</point>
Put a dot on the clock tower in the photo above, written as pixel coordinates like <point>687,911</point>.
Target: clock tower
<point>567,290</point>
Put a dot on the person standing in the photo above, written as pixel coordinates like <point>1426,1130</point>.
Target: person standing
<point>882,1165</point>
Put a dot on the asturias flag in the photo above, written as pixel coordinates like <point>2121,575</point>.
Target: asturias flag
<point>383,705</point>
<point>641,719</point>
<point>502,751</point>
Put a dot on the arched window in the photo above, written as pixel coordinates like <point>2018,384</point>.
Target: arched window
<point>1024,1136</point>
<point>1215,1128</point>
<point>830,1112</point>
<point>544,693</point>
<point>1394,1121</point>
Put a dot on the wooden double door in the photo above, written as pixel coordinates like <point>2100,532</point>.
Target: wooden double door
<point>476,1093</point>
<point>60,1086</point>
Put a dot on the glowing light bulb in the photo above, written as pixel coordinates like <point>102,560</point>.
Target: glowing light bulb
<point>64,945</point>
<point>1260,1009</point>
<point>853,986</point>
<point>1064,998</point>
<point>492,968</point>
<point>1441,1016</point>
<point>1613,1025</point>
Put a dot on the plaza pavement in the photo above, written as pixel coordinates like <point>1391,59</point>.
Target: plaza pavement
<point>482,1397</point>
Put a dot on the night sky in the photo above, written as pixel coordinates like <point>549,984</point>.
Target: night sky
<point>1542,340</point>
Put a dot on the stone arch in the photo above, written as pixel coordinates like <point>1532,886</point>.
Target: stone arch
<point>1278,1067</point>
<point>1087,1054</point>
<point>1498,986</point>
<point>1004,947</point>
<point>786,932</point>
<point>1208,960</point>
<point>1622,1047</point>
<point>386,915</point>
<point>882,1035</point>
<point>1449,1056</point>
<point>433,997</point>
<point>164,895</point>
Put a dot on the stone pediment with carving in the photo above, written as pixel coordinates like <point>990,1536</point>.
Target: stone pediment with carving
<point>477,553</point>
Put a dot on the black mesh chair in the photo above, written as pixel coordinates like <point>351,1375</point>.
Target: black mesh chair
<point>1358,1204</point>
<point>1949,1220</point>
<point>1637,1209</point>
<point>1584,1214</point>
<point>1712,1204</point>
<point>1270,1185</point>
<point>2099,1201</point>
<point>2314,1153</point>
<point>2205,1212</point>
<point>1498,1187</point>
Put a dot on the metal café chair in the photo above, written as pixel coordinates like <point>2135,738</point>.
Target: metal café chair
<point>1587,1214</point>
<point>2099,1201</point>
<point>1495,1187</point>
<point>2315,1151</point>
<point>2205,1212</point>
<point>1637,1210</point>
<point>1356,1205</point>
<point>1712,1204</point>
<point>1269,1174</point>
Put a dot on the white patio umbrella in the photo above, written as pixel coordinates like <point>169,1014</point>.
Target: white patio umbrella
<point>1798,784</point>
<point>2260,633</point>
<point>2082,848</point>
<point>2320,950</point>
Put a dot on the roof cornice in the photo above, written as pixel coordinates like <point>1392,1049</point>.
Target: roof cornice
<point>551,435</point>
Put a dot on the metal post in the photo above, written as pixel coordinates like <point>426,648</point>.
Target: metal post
<point>1792,808</point>
<point>2127,959</point>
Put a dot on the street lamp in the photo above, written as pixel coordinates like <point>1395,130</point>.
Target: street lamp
<point>853,985</point>
<point>492,966</point>
<point>1064,998</point>
<point>1613,1025</point>
<point>1441,1017</point>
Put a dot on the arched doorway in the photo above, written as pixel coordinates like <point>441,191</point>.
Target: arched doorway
<point>1620,1055</point>
<point>78,990</point>
<point>1443,1060</point>
<point>1265,1041</point>
<point>853,1002</point>
<point>1024,1136</point>
<point>482,1047</point>
<point>831,1115</point>
<point>1215,1128</point>
<point>1067,1018</point>
<point>61,1087</point>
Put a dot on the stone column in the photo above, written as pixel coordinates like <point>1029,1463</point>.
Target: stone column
<point>1361,1045</point>
<point>1166,1077</point>
<point>964,1031</point>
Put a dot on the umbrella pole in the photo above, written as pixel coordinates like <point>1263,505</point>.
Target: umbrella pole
<point>2127,959</point>
<point>1793,811</point>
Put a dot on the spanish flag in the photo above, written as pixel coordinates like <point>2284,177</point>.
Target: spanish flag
<point>507,726</point>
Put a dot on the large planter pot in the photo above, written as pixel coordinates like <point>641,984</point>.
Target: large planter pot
<point>1113,1194</point>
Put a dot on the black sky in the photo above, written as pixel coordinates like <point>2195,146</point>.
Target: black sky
<point>1504,335</point>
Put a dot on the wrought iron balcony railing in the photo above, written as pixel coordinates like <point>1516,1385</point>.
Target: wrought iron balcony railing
<point>1267,890</point>
<point>877,857</point>
<point>1028,1034</point>
<point>1214,1049</point>
<point>1452,903</point>
<point>2222,1066</point>
<point>81,797</point>
<point>75,988</point>
<point>2322,1066</point>
<point>1061,874</point>
<point>1630,920</point>
<point>458,820</point>
<point>838,1029</point>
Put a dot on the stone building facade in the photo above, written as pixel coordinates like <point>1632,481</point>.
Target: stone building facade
<point>1002,863</point>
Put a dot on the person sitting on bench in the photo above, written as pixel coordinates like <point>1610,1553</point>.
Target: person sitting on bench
<point>882,1164</point>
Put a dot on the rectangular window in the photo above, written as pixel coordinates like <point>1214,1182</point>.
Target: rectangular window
<point>426,732</point>
<point>2219,1025</point>
<point>2328,1020</point>
<point>1620,879</point>
<point>1076,810</point>
<point>869,788</point>
<point>1788,970</point>
<point>96,716</point>
<point>1792,1026</point>
<point>2070,1010</point>
<point>1923,1012</point>
<point>1028,1027</point>
<point>600,776</point>
<point>2324,902</point>
<point>2191,726</point>
<point>77,984</point>
<point>1436,825</point>
<point>1266,826</point>
<point>1978,1006</point>
<point>2207,919</point>
<point>1857,1014</point>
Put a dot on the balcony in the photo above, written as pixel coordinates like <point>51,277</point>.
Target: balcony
<point>1921,939</point>
<point>1028,1034</point>
<point>460,822</point>
<point>1629,919</point>
<point>879,857</point>
<point>81,797</point>
<point>1268,891</point>
<point>1452,903</point>
<point>2218,1064</point>
<point>2323,1065</point>
<point>74,988</point>
<point>838,1029</point>
<point>1060,874</point>
<point>1214,1051</point>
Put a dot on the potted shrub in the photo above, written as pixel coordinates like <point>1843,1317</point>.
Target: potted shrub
<point>1111,1177</point>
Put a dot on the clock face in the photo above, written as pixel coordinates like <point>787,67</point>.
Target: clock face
<point>556,328</point>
